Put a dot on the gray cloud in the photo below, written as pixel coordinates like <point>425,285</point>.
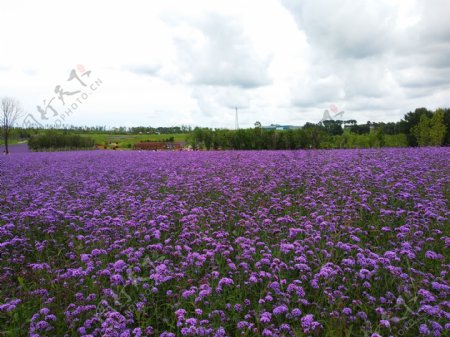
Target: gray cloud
<point>367,79</point>
<point>370,55</point>
<point>434,26</point>
<point>420,77</point>
<point>345,29</point>
<point>318,92</point>
<point>222,56</point>
<point>422,59</point>
<point>215,100</point>
<point>435,55</point>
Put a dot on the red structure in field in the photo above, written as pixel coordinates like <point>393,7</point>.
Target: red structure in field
<point>155,146</point>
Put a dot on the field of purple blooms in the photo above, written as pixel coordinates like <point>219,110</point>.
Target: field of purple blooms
<point>282,243</point>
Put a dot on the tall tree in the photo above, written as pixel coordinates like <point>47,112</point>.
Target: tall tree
<point>447,126</point>
<point>11,111</point>
<point>421,131</point>
<point>410,120</point>
<point>430,131</point>
<point>438,128</point>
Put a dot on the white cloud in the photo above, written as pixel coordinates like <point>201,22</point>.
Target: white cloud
<point>373,56</point>
<point>218,53</point>
<point>325,90</point>
<point>171,62</point>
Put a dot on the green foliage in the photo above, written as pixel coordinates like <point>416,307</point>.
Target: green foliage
<point>333,127</point>
<point>447,126</point>
<point>410,120</point>
<point>314,136</point>
<point>360,129</point>
<point>326,135</point>
<point>167,140</point>
<point>430,131</point>
<point>396,140</point>
<point>438,128</point>
<point>53,140</point>
<point>422,131</point>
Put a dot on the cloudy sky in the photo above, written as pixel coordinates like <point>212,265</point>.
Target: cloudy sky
<point>174,62</point>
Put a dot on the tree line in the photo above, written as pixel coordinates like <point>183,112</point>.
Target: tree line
<point>53,140</point>
<point>421,127</point>
<point>124,129</point>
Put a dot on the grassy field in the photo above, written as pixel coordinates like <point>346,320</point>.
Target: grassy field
<point>11,141</point>
<point>126,141</point>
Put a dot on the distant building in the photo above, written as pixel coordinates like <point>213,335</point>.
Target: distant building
<point>280,127</point>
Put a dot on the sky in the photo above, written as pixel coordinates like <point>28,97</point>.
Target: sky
<point>172,63</point>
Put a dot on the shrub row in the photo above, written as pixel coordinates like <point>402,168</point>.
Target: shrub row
<point>57,141</point>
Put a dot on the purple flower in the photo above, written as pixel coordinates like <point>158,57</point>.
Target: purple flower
<point>385,323</point>
<point>423,329</point>
<point>245,240</point>
<point>347,311</point>
<point>41,325</point>
<point>225,281</point>
<point>428,296</point>
<point>119,265</point>
<point>280,310</point>
<point>117,279</point>
<point>308,324</point>
<point>265,317</point>
<point>220,332</point>
<point>167,334</point>
<point>267,333</point>
<point>180,313</point>
<point>432,255</point>
<point>9,306</point>
<point>296,312</point>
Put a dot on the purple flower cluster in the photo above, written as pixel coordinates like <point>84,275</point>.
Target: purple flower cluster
<point>269,243</point>
<point>41,323</point>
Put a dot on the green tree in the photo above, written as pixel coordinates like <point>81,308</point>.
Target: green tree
<point>333,127</point>
<point>438,129</point>
<point>409,121</point>
<point>315,135</point>
<point>421,131</point>
<point>430,131</point>
<point>447,126</point>
<point>379,135</point>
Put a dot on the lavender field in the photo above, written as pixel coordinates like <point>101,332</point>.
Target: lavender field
<point>283,243</point>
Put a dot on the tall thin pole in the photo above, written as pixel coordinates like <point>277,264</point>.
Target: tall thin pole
<point>236,124</point>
